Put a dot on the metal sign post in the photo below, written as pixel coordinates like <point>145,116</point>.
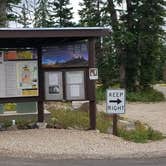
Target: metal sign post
<point>115,105</point>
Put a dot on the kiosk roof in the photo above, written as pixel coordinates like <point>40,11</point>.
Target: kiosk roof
<point>53,32</point>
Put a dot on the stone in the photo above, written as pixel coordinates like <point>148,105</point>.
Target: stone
<point>126,125</point>
<point>2,127</point>
<point>33,125</point>
<point>41,125</point>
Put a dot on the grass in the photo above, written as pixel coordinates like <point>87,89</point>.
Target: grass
<point>141,134</point>
<point>148,95</point>
<point>78,120</point>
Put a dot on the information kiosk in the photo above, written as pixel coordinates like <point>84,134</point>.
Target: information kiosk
<point>48,64</point>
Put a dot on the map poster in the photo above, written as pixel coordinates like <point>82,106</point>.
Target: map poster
<point>28,78</point>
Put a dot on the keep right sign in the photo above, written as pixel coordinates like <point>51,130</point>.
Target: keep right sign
<point>115,101</point>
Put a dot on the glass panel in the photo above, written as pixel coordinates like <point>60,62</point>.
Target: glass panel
<point>75,87</point>
<point>68,55</point>
<point>53,86</point>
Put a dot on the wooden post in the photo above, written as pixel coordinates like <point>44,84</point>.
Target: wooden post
<point>115,123</point>
<point>41,87</point>
<point>92,87</point>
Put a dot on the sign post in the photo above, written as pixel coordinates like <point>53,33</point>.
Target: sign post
<point>115,105</point>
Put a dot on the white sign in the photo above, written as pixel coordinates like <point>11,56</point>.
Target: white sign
<point>115,101</point>
<point>93,74</point>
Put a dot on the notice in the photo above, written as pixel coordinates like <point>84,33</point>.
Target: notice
<point>1,57</point>
<point>75,77</point>
<point>54,87</point>
<point>11,79</point>
<point>74,90</point>
<point>2,81</point>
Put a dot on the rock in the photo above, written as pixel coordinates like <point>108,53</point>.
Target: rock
<point>81,106</point>
<point>110,130</point>
<point>57,106</point>
<point>58,126</point>
<point>33,125</point>
<point>2,127</point>
<point>126,125</point>
<point>41,125</point>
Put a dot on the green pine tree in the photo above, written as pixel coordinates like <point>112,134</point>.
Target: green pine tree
<point>90,13</point>
<point>7,12</point>
<point>42,16</point>
<point>23,17</point>
<point>62,13</point>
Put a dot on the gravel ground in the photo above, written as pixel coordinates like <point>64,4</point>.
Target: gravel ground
<point>65,144</point>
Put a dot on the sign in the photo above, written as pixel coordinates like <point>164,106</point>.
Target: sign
<point>93,74</point>
<point>115,101</point>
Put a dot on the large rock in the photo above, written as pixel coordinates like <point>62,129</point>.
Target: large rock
<point>126,125</point>
<point>81,105</point>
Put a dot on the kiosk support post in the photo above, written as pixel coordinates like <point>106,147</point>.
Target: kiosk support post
<point>91,83</point>
<point>41,88</point>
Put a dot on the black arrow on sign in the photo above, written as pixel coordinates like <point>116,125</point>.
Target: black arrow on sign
<point>115,101</point>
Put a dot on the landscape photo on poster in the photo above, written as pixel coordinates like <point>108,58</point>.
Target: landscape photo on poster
<point>69,55</point>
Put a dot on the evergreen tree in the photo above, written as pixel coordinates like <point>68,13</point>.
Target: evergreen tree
<point>23,17</point>
<point>90,13</point>
<point>61,13</point>
<point>151,19</point>
<point>7,12</point>
<point>42,14</point>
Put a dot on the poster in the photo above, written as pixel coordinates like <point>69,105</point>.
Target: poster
<point>27,78</point>
<point>53,85</point>
<point>68,55</point>
<point>75,87</point>
<point>75,90</point>
<point>22,54</point>
<point>18,78</point>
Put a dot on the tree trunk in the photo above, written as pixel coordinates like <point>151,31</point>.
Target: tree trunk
<point>119,47</point>
<point>3,14</point>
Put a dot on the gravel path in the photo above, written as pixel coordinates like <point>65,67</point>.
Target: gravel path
<point>60,144</point>
<point>153,114</point>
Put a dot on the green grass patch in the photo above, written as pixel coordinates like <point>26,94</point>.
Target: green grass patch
<point>141,134</point>
<point>148,95</point>
<point>78,120</point>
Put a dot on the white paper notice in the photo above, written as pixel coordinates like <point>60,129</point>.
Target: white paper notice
<point>75,90</point>
<point>11,79</point>
<point>53,79</point>
<point>1,57</point>
<point>2,81</point>
<point>75,77</point>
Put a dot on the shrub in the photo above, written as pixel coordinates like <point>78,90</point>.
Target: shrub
<point>78,119</point>
<point>141,134</point>
<point>148,95</point>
